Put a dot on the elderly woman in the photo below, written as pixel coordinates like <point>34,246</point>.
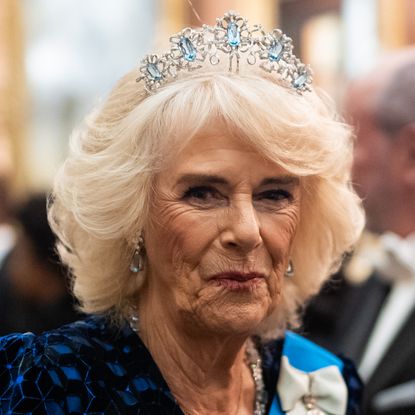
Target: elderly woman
<point>200,207</point>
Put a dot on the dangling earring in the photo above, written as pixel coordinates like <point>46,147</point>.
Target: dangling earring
<point>289,272</point>
<point>137,263</point>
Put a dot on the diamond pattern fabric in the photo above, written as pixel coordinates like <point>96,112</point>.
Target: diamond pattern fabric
<point>88,367</point>
<point>92,368</point>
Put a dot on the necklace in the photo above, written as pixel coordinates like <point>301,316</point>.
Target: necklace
<point>254,362</point>
<point>252,359</point>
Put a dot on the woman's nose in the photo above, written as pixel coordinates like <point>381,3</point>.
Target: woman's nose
<point>242,229</point>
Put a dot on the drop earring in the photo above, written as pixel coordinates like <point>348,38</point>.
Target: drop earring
<point>137,262</point>
<point>289,272</point>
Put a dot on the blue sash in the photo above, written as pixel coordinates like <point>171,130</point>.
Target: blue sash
<point>306,356</point>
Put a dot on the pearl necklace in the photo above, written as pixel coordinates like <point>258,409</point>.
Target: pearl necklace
<point>252,359</point>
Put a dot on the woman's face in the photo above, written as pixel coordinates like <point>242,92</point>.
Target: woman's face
<point>218,240</point>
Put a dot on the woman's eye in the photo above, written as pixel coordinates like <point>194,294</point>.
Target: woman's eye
<point>275,195</point>
<point>201,193</point>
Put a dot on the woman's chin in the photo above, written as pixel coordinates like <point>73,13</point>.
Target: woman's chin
<point>228,309</point>
<point>232,319</point>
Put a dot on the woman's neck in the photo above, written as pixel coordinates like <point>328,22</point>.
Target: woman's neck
<point>207,374</point>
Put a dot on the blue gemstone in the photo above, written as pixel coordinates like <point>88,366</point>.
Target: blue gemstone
<point>187,49</point>
<point>275,51</point>
<point>154,71</point>
<point>300,81</point>
<point>234,36</point>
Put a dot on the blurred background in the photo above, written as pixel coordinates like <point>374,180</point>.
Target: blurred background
<point>59,58</point>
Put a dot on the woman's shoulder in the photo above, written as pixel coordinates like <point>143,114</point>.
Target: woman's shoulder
<point>73,339</point>
<point>74,367</point>
<point>307,374</point>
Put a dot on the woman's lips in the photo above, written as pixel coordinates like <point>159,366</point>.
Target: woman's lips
<point>238,280</point>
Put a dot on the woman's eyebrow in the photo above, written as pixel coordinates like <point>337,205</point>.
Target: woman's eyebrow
<point>281,180</point>
<point>201,178</point>
<point>215,179</point>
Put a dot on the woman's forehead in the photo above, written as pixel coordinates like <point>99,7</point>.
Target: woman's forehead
<point>218,155</point>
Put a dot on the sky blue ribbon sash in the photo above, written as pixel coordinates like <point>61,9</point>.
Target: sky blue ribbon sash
<point>306,356</point>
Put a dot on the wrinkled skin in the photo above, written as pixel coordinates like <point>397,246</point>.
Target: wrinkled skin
<point>218,242</point>
<point>220,207</point>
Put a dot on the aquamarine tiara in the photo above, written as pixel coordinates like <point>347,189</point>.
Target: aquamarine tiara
<point>231,38</point>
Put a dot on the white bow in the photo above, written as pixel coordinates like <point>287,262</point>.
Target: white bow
<point>320,392</point>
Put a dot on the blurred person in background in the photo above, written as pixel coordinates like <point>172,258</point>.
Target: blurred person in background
<point>374,320</point>
<point>34,291</point>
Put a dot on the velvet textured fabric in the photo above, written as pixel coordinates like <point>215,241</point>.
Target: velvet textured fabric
<point>92,367</point>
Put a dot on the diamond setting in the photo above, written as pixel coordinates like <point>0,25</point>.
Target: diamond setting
<point>233,40</point>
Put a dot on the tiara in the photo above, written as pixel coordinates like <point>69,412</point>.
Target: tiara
<point>233,39</point>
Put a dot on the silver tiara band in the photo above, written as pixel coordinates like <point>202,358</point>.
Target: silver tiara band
<point>232,37</point>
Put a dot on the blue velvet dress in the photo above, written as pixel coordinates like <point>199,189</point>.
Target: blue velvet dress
<point>92,367</point>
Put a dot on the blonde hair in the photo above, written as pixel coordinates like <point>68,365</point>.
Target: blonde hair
<point>101,194</point>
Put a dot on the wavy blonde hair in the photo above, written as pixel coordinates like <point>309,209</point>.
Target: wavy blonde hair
<point>101,195</point>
